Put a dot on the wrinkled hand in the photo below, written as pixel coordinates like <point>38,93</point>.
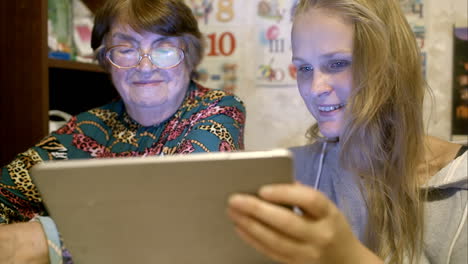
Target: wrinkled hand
<point>320,234</point>
<point>23,243</point>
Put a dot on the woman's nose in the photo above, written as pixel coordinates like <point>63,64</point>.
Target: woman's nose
<point>145,63</point>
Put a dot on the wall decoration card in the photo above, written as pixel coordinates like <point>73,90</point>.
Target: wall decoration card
<point>223,24</point>
<point>414,12</point>
<point>273,22</point>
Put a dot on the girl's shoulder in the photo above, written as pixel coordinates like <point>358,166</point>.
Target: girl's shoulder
<point>439,154</point>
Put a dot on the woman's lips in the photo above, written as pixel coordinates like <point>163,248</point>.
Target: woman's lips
<point>147,83</point>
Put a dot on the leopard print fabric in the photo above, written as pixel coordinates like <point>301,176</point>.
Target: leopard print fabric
<point>18,171</point>
<point>208,120</point>
<point>23,199</point>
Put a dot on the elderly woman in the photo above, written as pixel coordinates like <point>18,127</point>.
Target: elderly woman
<point>151,49</point>
<point>375,189</point>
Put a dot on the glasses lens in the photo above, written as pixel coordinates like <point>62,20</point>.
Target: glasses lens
<point>167,57</point>
<point>124,56</point>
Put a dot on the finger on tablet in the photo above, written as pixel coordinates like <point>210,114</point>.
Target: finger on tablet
<point>310,201</point>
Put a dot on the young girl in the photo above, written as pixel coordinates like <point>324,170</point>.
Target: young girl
<point>374,188</point>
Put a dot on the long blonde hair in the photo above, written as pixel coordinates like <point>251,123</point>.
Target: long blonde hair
<point>382,140</point>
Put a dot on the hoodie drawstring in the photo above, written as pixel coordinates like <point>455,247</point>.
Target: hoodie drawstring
<point>319,171</point>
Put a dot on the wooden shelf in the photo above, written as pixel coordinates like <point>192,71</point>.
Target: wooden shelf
<point>74,65</point>
<point>32,83</point>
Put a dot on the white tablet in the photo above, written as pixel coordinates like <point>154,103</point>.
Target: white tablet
<point>162,210</point>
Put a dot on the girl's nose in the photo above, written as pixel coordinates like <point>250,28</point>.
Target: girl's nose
<point>320,84</point>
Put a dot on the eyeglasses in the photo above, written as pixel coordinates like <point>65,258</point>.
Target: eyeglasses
<point>125,57</point>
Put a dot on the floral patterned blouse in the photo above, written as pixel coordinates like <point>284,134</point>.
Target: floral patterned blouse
<point>208,120</point>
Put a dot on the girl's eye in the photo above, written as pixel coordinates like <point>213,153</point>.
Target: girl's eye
<point>305,68</point>
<point>305,72</point>
<point>337,65</point>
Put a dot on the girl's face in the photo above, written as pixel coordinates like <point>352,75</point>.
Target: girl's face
<point>322,44</point>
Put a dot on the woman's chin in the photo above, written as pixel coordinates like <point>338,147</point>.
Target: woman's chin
<point>149,102</point>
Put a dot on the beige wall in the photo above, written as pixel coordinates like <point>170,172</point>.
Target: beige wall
<point>440,18</point>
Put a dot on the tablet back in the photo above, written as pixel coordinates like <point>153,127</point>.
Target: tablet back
<point>168,209</point>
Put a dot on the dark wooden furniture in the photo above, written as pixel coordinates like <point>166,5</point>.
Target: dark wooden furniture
<point>31,83</point>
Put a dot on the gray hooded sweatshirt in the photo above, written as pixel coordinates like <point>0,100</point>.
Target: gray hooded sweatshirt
<point>445,231</point>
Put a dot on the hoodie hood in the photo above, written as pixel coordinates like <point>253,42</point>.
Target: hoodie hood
<point>454,175</point>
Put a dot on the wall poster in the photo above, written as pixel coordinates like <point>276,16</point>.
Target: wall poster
<point>222,25</point>
<point>414,12</point>
<point>273,22</point>
<point>248,42</point>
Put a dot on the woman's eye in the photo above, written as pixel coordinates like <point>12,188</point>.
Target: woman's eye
<point>165,44</point>
<point>127,51</point>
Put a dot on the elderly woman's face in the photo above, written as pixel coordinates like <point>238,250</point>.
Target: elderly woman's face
<point>147,87</point>
<point>322,53</point>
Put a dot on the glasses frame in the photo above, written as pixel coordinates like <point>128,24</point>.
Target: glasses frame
<point>140,58</point>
